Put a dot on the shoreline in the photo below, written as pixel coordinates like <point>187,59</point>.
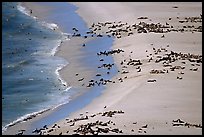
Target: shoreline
<point>134,105</point>
<point>51,26</point>
<point>149,108</point>
<point>81,91</point>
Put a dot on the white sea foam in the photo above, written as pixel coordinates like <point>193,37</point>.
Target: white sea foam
<point>51,26</point>
<point>54,50</point>
<point>67,88</point>
<point>27,116</point>
<point>13,65</point>
<point>24,10</point>
<point>22,118</point>
<point>43,23</point>
<point>65,36</point>
<point>64,102</point>
<point>58,75</point>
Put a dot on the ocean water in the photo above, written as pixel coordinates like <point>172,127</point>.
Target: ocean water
<point>64,14</point>
<point>30,79</point>
<point>63,111</point>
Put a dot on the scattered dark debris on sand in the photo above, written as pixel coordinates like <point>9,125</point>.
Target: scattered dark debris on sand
<point>93,128</point>
<point>179,122</point>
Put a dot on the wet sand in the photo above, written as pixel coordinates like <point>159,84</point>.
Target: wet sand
<point>149,107</point>
<point>158,89</point>
<point>76,73</point>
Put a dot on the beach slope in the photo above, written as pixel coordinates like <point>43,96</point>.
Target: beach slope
<point>158,88</point>
<point>156,98</point>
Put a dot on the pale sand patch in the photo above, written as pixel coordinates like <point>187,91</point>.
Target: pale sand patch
<point>72,51</point>
<point>158,103</point>
<point>130,11</point>
<point>37,10</point>
<point>155,104</point>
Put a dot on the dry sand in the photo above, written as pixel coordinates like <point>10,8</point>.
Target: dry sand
<point>155,104</point>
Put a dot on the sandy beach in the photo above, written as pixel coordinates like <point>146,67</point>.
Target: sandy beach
<point>153,104</point>
<point>157,49</point>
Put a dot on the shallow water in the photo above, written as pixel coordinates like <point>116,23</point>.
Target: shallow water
<point>29,80</point>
